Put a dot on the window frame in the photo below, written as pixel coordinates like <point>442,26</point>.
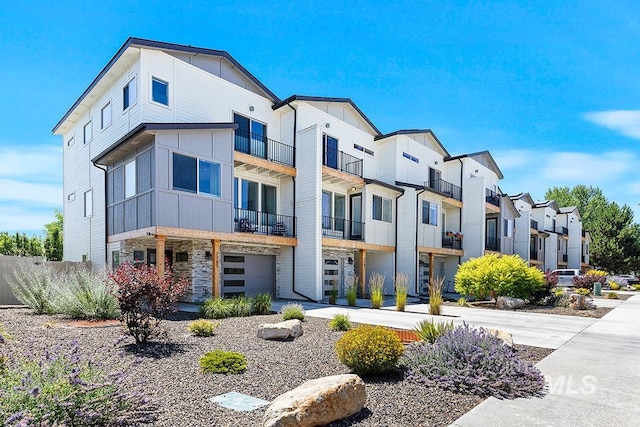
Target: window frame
<point>86,127</point>
<point>104,125</point>
<point>133,181</point>
<point>381,215</point>
<point>430,210</point>
<point>127,89</point>
<point>198,160</point>
<point>166,83</point>
<point>88,207</point>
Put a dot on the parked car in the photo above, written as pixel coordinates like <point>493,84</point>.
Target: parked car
<point>566,275</point>
<point>624,279</point>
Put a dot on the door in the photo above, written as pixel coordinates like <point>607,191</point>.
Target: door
<point>492,234</point>
<point>331,152</point>
<point>356,217</point>
<point>331,278</point>
<point>327,209</point>
<point>242,134</point>
<point>434,179</point>
<point>258,139</point>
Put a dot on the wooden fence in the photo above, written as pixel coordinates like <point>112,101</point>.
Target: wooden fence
<point>8,264</point>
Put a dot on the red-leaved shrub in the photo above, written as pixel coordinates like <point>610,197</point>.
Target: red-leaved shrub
<point>144,297</point>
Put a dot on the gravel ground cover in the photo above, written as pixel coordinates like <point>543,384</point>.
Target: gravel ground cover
<point>169,367</point>
<point>532,308</point>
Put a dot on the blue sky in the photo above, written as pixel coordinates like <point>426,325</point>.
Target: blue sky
<point>552,90</point>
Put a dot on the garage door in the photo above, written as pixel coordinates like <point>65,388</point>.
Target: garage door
<point>248,274</point>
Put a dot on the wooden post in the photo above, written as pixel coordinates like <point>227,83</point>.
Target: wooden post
<point>160,240</point>
<point>430,269</point>
<point>363,271</point>
<point>215,268</point>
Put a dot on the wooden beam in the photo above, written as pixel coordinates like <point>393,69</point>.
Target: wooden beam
<point>185,233</point>
<point>215,268</point>
<point>362,255</point>
<point>355,244</point>
<point>160,240</point>
<point>492,208</point>
<point>441,251</point>
<point>262,163</point>
<point>452,202</point>
<point>342,176</point>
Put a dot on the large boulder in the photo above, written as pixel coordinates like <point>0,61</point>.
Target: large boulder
<point>280,331</point>
<point>578,302</point>
<point>317,402</point>
<point>508,303</point>
<point>506,337</point>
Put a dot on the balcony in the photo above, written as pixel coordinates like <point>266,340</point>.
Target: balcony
<point>492,244</point>
<point>249,221</point>
<point>340,228</point>
<point>341,161</point>
<point>444,187</point>
<point>262,147</point>
<point>533,224</point>
<point>533,254</point>
<point>562,230</point>
<point>451,241</point>
<point>492,198</point>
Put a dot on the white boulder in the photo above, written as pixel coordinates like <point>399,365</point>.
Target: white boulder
<point>280,331</point>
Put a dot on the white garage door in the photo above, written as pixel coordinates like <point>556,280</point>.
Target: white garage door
<point>248,274</point>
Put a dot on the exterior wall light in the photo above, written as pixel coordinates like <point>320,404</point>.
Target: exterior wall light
<point>251,108</point>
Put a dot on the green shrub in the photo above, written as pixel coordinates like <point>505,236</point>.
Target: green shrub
<point>402,289</point>
<point>83,294</point>
<point>462,302</point>
<point>223,362</point>
<point>582,291</point>
<point>240,306</point>
<point>429,330</point>
<point>333,293</point>
<point>261,303</point>
<point>558,292</point>
<point>376,289</point>
<point>352,295</point>
<point>636,287</point>
<point>369,350</point>
<point>340,322</point>
<point>292,311</point>
<point>562,300</point>
<point>435,296</point>
<point>216,308</point>
<point>203,327</point>
<point>614,286</point>
<point>4,366</point>
<point>612,295</point>
<point>496,275</point>
<point>32,286</point>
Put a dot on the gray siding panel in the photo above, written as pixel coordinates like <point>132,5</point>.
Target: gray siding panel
<point>143,172</point>
<point>118,184</point>
<point>144,208</point>
<point>130,217</point>
<point>196,212</point>
<point>118,218</point>
<point>168,211</point>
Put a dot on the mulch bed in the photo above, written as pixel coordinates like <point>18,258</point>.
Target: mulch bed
<point>169,366</point>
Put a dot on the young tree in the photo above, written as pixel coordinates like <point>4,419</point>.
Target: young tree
<point>53,239</point>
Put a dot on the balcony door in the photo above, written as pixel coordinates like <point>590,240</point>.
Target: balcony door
<point>330,145</point>
<point>434,179</point>
<point>251,136</point>
<point>356,216</point>
<point>492,234</point>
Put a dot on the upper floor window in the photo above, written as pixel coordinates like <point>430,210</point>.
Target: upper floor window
<point>159,91</point>
<point>364,150</point>
<point>507,227</point>
<point>381,209</point>
<point>130,179</point>
<point>88,132</point>
<point>129,94</point>
<point>410,157</point>
<point>88,203</point>
<point>105,116</point>
<point>196,176</point>
<point>429,213</point>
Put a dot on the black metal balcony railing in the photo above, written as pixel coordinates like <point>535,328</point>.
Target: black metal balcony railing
<point>341,161</point>
<point>533,254</point>
<point>340,228</point>
<point>249,221</point>
<point>444,187</point>
<point>534,224</point>
<point>452,242</point>
<point>562,230</point>
<point>265,148</point>
<point>492,243</point>
<point>492,197</point>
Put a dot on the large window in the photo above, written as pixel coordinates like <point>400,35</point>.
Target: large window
<point>251,136</point>
<point>88,133</point>
<point>130,179</point>
<point>381,209</point>
<point>88,203</point>
<point>196,176</point>
<point>129,94</point>
<point>253,196</point>
<point>105,116</point>
<point>429,213</point>
<point>507,228</point>
<point>159,91</point>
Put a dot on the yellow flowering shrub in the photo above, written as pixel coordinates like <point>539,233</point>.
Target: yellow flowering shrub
<point>369,350</point>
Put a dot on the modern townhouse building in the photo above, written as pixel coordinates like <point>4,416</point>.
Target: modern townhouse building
<point>529,239</point>
<point>577,238</point>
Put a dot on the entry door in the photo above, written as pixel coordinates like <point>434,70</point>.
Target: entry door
<point>331,152</point>
<point>330,275</point>
<point>356,216</point>
<point>258,139</point>
<point>492,233</point>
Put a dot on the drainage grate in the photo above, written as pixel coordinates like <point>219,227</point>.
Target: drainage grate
<point>238,401</point>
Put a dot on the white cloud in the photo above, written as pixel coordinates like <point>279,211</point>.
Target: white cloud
<point>37,194</point>
<point>584,168</point>
<point>626,122</point>
<point>35,163</point>
<point>634,188</point>
<point>28,220</point>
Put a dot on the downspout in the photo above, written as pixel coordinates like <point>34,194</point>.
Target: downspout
<point>106,252</point>
<point>417,258</point>
<point>293,248</point>
<point>395,258</point>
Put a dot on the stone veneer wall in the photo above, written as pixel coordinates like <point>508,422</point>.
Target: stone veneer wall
<point>348,269</point>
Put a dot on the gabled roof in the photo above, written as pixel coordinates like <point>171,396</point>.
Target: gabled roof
<point>484,158</point>
<point>547,204</point>
<point>326,99</point>
<point>384,184</point>
<point>152,44</point>
<point>571,209</point>
<point>523,196</point>
<point>415,132</point>
<point>511,206</point>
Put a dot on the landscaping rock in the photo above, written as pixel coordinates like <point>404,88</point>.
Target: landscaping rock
<point>578,302</point>
<point>317,402</point>
<point>280,331</point>
<point>506,337</point>
<point>508,303</point>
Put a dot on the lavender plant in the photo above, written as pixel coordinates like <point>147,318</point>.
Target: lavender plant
<point>66,388</point>
<point>472,361</point>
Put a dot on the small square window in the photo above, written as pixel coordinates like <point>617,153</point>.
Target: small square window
<point>88,133</point>
<point>159,91</point>
<point>105,116</point>
<point>129,94</point>
<point>71,197</point>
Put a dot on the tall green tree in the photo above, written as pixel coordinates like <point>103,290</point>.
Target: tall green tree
<point>20,244</point>
<point>615,237</point>
<point>53,238</point>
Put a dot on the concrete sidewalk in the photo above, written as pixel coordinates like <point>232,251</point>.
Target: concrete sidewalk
<point>593,380</point>
<point>534,329</point>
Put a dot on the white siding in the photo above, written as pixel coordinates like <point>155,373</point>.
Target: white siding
<point>473,217</point>
<point>407,255</point>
